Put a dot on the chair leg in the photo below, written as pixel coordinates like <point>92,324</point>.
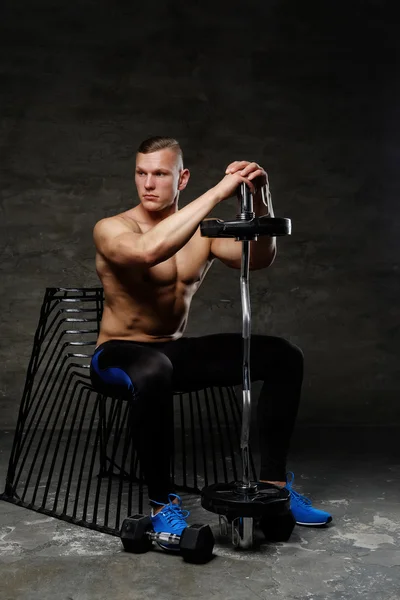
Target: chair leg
<point>103,436</point>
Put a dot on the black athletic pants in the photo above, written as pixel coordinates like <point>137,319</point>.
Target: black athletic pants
<point>146,373</point>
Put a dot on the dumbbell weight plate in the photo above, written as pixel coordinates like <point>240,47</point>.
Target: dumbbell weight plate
<point>133,534</point>
<point>197,543</point>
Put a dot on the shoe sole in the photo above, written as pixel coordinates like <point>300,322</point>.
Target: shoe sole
<point>314,524</point>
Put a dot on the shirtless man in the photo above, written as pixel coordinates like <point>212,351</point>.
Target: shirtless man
<point>151,259</point>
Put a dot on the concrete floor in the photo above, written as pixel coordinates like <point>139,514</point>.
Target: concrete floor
<point>354,474</point>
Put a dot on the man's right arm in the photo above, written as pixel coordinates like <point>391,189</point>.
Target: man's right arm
<point>126,245</point>
<point>118,243</point>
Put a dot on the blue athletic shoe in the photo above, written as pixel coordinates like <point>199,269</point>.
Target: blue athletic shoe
<point>302,510</point>
<point>170,519</point>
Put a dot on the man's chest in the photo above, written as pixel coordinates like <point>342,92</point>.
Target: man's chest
<point>186,267</point>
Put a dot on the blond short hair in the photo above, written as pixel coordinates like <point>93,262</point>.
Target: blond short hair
<point>160,143</point>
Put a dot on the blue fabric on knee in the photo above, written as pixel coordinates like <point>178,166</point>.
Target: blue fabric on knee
<point>112,375</point>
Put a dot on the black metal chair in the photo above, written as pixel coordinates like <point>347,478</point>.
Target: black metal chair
<point>73,456</point>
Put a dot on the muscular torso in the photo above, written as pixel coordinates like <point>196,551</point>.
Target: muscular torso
<point>152,304</point>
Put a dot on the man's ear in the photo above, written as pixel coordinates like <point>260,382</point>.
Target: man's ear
<point>183,179</point>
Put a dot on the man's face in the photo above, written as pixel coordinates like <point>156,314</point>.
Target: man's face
<point>159,177</point>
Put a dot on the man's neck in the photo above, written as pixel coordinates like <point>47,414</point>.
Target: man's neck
<point>154,217</point>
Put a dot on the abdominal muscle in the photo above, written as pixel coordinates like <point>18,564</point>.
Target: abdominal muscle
<point>160,320</point>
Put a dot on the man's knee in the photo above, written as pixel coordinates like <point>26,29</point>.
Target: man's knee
<point>153,374</point>
<point>292,360</point>
<point>294,352</point>
<point>288,354</point>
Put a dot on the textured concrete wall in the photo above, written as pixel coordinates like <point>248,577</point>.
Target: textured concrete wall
<point>306,89</point>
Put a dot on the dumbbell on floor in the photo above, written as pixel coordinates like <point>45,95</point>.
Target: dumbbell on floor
<point>195,544</point>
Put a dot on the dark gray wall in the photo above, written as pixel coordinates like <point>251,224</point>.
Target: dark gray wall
<point>307,89</point>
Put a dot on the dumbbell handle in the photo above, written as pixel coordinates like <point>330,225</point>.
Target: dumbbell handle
<point>163,536</point>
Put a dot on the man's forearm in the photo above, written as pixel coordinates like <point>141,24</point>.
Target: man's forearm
<point>263,251</point>
<point>171,234</point>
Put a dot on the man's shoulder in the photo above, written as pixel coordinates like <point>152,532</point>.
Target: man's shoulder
<point>116,224</point>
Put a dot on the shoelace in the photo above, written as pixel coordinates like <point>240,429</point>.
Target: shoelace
<point>301,499</point>
<point>174,515</point>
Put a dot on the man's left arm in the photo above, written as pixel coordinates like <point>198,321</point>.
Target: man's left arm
<point>262,251</point>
